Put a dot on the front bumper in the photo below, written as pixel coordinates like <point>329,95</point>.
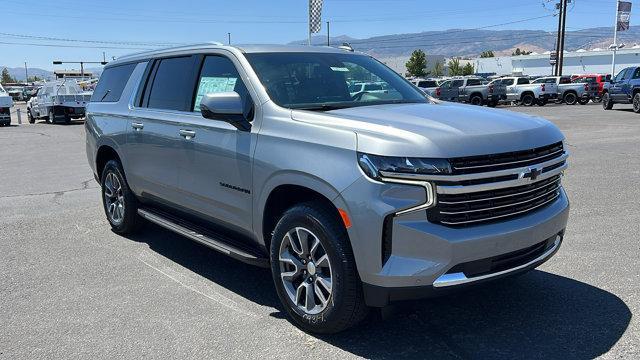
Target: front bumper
<point>423,254</point>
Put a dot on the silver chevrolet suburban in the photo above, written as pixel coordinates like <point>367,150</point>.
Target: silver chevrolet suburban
<point>352,201</point>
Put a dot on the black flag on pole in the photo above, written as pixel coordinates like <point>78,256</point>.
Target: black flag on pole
<point>624,15</point>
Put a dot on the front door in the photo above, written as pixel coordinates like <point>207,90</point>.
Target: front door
<point>216,176</point>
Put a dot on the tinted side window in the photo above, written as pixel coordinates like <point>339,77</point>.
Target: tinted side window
<point>218,75</point>
<point>112,82</point>
<point>523,81</point>
<point>473,82</point>
<point>457,83</point>
<point>172,85</point>
<point>508,82</point>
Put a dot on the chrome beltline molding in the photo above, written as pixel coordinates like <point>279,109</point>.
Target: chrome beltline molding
<point>454,279</point>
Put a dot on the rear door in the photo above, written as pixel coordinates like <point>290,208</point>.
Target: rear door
<point>451,92</point>
<point>216,179</point>
<point>511,88</point>
<point>154,142</point>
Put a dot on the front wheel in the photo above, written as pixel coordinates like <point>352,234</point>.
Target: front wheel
<point>120,204</point>
<point>30,117</point>
<point>607,103</point>
<point>314,270</point>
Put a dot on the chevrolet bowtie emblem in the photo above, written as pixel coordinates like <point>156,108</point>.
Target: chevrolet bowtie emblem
<point>531,173</point>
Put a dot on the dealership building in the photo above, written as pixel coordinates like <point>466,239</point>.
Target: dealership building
<point>596,61</point>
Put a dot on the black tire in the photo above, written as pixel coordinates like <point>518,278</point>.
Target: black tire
<point>528,100</point>
<point>636,103</point>
<point>570,98</point>
<point>476,100</point>
<point>542,102</point>
<point>130,221</point>
<point>583,101</point>
<point>492,103</point>
<point>345,305</point>
<point>607,103</point>
<point>67,120</point>
<point>31,119</point>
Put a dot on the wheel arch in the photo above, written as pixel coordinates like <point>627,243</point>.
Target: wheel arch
<point>105,153</point>
<point>285,191</point>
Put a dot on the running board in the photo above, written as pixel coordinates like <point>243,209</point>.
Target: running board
<point>209,240</point>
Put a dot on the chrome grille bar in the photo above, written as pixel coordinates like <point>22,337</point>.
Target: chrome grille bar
<point>501,206</point>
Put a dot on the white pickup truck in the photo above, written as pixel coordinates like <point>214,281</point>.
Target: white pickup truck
<point>5,107</point>
<point>59,100</point>
<point>522,91</point>
<point>569,92</point>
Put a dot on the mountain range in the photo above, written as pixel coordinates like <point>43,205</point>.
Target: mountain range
<point>470,43</point>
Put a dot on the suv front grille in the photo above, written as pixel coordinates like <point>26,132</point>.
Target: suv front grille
<point>509,160</point>
<point>497,187</point>
<point>494,205</point>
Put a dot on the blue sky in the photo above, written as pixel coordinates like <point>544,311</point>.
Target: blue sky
<point>149,23</point>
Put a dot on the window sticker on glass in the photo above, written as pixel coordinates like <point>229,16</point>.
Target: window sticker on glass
<point>340,69</point>
<point>212,85</point>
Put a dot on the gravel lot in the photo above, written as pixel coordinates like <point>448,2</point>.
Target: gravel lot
<point>70,288</point>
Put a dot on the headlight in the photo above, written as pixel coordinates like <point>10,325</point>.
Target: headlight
<point>372,165</point>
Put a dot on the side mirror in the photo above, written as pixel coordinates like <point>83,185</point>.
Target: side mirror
<point>225,106</point>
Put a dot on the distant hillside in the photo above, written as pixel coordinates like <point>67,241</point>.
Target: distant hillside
<point>18,72</point>
<point>462,42</point>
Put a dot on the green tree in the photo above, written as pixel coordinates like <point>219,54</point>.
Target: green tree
<point>438,69</point>
<point>6,77</point>
<point>454,67</point>
<point>487,54</point>
<point>34,78</point>
<point>519,52</point>
<point>468,69</point>
<point>417,64</point>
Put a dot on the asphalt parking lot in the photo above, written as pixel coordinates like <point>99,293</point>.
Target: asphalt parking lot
<point>71,288</point>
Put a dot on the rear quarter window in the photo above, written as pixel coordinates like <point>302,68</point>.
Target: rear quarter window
<point>112,83</point>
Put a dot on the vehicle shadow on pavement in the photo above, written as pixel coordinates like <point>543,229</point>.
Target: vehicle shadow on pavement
<point>536,315</point>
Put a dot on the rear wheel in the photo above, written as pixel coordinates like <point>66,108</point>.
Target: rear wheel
<point>314,270</point>
<point>570,98</point>
<point>528,99</point>
<point>607,103</point>
<point>583,101</point>
<point>476,100</point>
<point>542,102</point>
<point>120,204</point>
<point>636,103</point>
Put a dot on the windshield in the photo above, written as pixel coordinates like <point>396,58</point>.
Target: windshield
<point>325,81</point>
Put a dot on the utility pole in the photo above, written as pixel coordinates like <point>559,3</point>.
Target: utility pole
<point>328,36</point>
<point>559,7</point>
<point>26,73</point>
<point>564,27</point>
<point>229,38</point>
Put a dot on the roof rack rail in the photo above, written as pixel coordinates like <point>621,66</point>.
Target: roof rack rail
<point>178,47</point>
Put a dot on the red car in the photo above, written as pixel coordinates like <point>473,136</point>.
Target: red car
<point>600,79</point>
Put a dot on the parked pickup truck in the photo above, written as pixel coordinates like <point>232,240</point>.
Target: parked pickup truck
<point>623,89</point>
<point>429,86</point>
<point>569,92</point>
<point>5,107</point>
<point>351,201</point>
<point>600,79</point>
<point>521,90</point>
<point>471,90</point>
<point>61,100</point>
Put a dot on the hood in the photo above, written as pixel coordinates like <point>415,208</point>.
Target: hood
<point>441,130</point>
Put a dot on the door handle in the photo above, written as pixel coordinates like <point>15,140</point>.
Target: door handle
<point>138,126</point>
<point>187,134</point>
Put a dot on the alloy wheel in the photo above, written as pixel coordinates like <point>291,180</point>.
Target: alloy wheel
<point>305,271</point>
<point>114,198</point>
